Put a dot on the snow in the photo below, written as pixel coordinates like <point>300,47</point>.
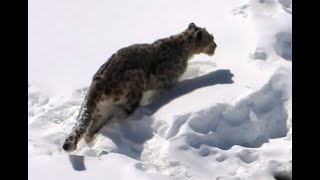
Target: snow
<point>230,117</point>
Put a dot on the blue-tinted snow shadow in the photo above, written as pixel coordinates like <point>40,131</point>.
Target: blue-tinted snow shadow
<point>283,45</point>
<point>77,162</point>
<point>223,76</point>
<point>130,135</point>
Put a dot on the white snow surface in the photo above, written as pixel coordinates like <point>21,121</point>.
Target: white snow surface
<point>229,117</point>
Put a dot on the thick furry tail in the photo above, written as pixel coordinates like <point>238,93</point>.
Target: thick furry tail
<point>78,131</point>
<point>70,144</point>
<point>84,119</point>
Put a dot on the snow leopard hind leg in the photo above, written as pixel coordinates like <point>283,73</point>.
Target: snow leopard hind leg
<point>120,104</point>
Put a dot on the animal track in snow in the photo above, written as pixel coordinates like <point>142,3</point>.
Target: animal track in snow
<point>240,11</point>
<point>248,156</point>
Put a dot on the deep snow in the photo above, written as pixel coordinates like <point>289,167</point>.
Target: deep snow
<point>229,117</point>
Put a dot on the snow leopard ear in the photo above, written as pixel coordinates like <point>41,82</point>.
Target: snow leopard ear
<point>191,25</point>
<point>199,35</point>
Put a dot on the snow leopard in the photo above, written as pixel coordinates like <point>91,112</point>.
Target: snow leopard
<point>118,85</point>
